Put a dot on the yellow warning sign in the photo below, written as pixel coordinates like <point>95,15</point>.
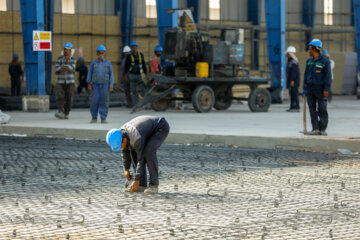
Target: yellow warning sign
<point>44,36</point>
<point>186,20</point>
<point>36,37</point>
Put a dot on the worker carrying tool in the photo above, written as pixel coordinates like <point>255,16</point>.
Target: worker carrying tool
<point>317,84</point>
<point>139,139</point>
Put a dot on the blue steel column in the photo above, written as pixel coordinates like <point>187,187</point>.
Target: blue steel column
<point>308,18</point>
<point>32,18</point>
<point>254,15</point>
<point>164,19</point>
<point>275,27</point>
<point>195,4</point>
<point>49,27</point>
<point>356,5</point>
<point>127,20</point>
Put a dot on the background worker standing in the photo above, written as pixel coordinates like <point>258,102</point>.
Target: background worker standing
<point>155,66</point>
<point>317,84</point>
<point>332,65</point>
<point>65,85</point>
<point>101,81</point>
<point>139,139</point>
<point>134,67</point>
<point>83,71</point>
<point>16,73</point>
<point>125,77</point>
<point>293,79</point>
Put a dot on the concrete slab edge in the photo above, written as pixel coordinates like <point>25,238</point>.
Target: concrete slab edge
<point>323,144</point>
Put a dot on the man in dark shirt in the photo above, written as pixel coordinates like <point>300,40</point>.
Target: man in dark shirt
<point>134,67</point>
<point>293,79</point>
<point>317,85</point>
<point>15,72</point>
<point>139,139</point>
<point>83,71</point>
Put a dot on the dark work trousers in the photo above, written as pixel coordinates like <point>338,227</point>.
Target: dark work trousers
<point>82,84</point>
<point>317,107</point>
<point>100,99</point>
<point>15,87</point>
<point>136,81</point>
<point>294,98</point>
<point>152,145</point>
<point>64,97</point>
<point>126,85</point>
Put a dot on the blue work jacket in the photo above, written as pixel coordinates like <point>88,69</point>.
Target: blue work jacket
<point>101,73</point>
<point>317,74</point>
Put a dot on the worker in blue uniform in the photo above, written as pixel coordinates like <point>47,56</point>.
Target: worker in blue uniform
<point>100,80</point>
<point>317,84</point>
<point>139,139</point>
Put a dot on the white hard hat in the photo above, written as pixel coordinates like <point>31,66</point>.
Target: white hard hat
<point>127,49</point>
<point>291,49</point>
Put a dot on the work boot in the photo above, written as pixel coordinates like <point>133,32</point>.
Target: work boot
<point>323,133</point>
<point>60,115</point>
<point>104,121</point>
<point>314,132</point>
<point>93,120</point>
<point>66,116</point>
<point>141,189</point>
<point>152,189</point>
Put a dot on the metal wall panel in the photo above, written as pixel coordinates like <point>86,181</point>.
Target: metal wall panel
<point>293,11</point>
<point>13,5</point>
<point>140,8</point>
<point>204,10</point>
<point>233,10</point>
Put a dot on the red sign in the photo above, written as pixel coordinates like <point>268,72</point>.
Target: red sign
<point>45,46</point>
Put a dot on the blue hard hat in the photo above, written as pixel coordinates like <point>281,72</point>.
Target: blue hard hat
<point>158,48</point>
<point>81,59</point>
<point>325,52</point>
<point>132,44</point>
<point>101,48</point>
<point>316,43</point>
<point>68,45</point>
<point>15,55</point>
<point>114,139</point>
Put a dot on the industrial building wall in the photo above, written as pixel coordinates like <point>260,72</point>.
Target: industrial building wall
<point>86,31</point>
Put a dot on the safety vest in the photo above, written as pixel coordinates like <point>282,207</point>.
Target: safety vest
<point>133,62</point>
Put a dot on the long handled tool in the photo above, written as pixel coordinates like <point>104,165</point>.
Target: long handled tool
<point>304,114</point>
<point>128,182</point>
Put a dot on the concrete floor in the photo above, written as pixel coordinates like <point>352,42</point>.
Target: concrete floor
<point>344,121</point>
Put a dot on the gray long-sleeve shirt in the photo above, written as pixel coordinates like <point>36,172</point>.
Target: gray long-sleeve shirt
<point>138,130</point>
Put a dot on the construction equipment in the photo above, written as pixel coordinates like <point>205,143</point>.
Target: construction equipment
<point>187,55</point>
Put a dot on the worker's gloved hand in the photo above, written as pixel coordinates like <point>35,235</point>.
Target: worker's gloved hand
<point>326,94</point>
<point>89,87</point>
<point>303,91</point>
<point>135,186</point>
<point>127,174</point>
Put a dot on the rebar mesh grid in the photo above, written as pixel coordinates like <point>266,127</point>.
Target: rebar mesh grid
<point>74,189</point>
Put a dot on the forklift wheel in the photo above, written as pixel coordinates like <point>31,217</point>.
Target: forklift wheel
<point>203,99</point>
<point>161,106</point>
<point>223,97</point>
<point>259,100</point>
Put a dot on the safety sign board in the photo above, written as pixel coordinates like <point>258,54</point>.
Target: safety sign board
<point>186,20</point>
<point>42,41</point>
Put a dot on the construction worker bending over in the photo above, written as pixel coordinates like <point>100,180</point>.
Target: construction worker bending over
<point>317,84</point>
<point>139,139</point>
<point>101,81</point>
<point>134,67</point>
